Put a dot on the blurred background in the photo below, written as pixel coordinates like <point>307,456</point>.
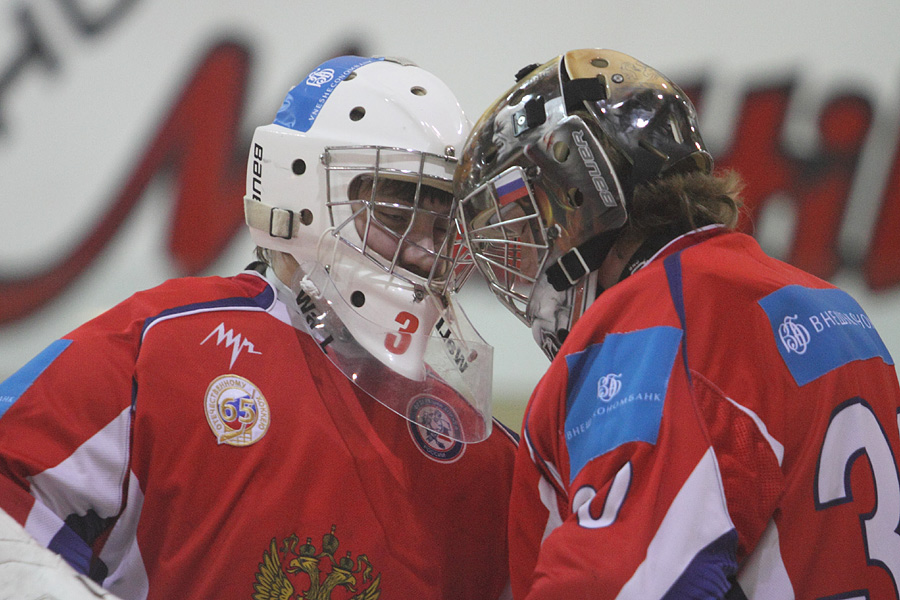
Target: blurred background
<point>124,128</point>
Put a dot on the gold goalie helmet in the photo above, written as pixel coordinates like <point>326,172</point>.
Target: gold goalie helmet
<point>548,171</point>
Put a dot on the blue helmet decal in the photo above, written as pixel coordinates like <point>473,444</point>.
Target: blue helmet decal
<point>303,103</point>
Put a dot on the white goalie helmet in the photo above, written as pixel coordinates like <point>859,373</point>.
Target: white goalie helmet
<point>353,180</point>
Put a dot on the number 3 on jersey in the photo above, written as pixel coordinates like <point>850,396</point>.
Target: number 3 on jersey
<point>399,342</point>
<point>854,430</point>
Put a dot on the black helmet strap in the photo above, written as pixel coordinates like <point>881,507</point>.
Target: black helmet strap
<point>581,260</point>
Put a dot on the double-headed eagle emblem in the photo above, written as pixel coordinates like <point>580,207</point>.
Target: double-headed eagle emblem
<point>323,572</point>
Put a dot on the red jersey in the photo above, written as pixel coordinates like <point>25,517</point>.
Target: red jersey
<point>719,424</point>
<point>190,443</point>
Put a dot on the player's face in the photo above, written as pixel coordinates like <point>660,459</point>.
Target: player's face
<point>396,226</point>
<point>512,254</point>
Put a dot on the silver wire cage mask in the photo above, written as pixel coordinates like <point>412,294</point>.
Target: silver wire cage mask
<point>395,207</point>
<point>577,135</point>
<point>506,237</point>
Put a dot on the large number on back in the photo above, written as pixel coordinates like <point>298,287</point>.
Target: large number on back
<point>854,430</point>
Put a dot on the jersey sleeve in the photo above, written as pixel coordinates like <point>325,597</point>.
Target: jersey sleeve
<point>662,484</point>
<point>65,426</point>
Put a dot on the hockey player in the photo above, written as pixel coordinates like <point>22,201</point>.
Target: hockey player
<point>306,428</point>
<point>714,423</point>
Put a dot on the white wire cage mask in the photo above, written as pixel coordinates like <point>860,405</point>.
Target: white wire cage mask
<point>390,326</point>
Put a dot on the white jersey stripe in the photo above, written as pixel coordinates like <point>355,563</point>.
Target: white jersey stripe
<point>697,517</point>
<point>42,524</point>
<point>763,576</point>
<point>127,576</point>
<point>777,447</point>
<point>91,477</point>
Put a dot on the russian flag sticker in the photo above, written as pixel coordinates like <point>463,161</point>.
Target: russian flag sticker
<point>510,187</point>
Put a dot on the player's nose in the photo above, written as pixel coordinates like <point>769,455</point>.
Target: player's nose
<point>418,252</point>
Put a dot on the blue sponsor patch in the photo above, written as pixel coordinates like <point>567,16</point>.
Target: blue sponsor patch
<point>305,100</point>
<point>616,392</point>
<point>817,331</point>
<point>21,380</point>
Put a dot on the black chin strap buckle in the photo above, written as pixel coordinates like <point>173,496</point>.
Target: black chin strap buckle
<point>576,269</point>
<point>579,261</point>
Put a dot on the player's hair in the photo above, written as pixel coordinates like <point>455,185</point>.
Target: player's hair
<point>674,205</point>
<point>263,255</point>
<point>361,187</point>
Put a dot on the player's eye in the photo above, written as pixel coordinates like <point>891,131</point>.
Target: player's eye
<point>441,227</point>
<point>395,218</point>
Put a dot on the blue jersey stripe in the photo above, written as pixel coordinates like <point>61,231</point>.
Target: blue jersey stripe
<point>71,547</point>
<point>21,380</point>
<point>262,302</point>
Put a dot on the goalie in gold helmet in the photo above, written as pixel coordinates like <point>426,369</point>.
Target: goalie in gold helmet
<point>695,434</point>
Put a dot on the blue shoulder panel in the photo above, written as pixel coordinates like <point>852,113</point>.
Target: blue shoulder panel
<point>819,330</point>
<point>21,380</point>
<point>616,392</point>
<point>305,100</point>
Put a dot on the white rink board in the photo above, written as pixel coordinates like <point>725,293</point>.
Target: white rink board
<point>70,135</point>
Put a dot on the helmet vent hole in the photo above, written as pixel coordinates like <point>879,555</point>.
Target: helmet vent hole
<point>600,63</point>
<point>560,151</point>
<point>418,90</point>
<point>357,299</point>
<point>298,166</point>
<point>357,113</point>
<point>350,76</point>
<point>306,216</point>
<point>516,97</point>
<point>575,197</point>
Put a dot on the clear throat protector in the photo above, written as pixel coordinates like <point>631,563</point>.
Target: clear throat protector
<point>427,363</point>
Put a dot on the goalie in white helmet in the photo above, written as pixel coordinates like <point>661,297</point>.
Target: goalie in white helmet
<point>225,420</point>
<point>349,193</point>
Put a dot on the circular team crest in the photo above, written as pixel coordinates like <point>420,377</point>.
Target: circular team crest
<point>430,422</point>
<point>236,410</point>
<point>320,77</point>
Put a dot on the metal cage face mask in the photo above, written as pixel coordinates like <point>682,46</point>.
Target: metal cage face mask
<point>507,238</point>
<point>394,206</point>
<point>576,135</point>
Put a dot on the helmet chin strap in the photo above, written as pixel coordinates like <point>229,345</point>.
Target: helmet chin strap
<point>581,260</point>
<point>645,252</point>
<point>561,309</point>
